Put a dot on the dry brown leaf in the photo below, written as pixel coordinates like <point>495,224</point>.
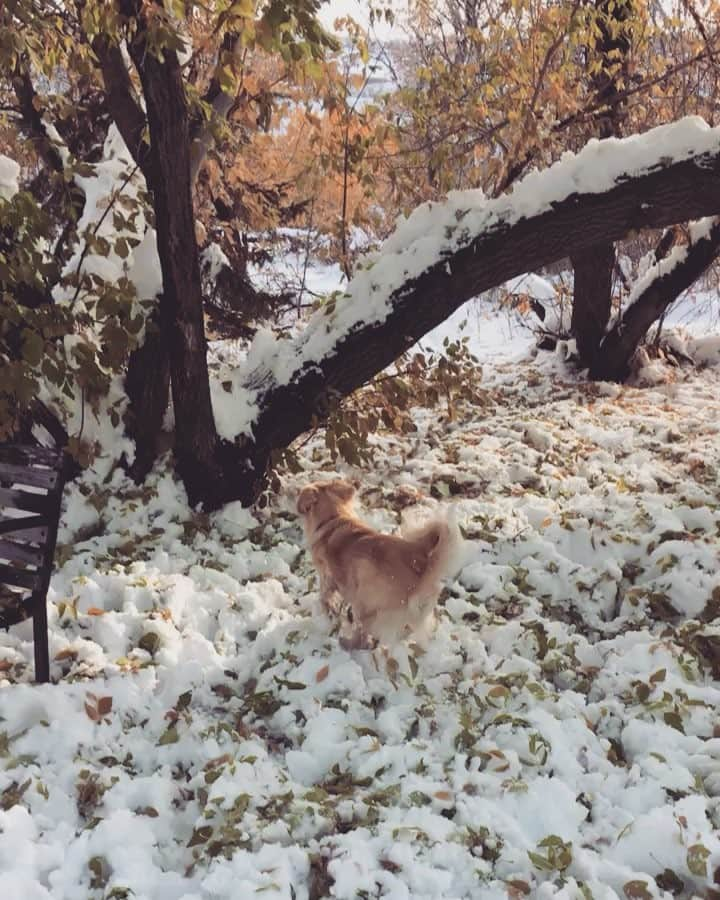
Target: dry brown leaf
<point>322,674</point>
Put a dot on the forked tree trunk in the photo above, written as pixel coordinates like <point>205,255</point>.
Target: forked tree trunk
<point>181,310</point>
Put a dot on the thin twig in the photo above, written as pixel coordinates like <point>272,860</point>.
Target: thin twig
<point>115,195</point>
<point>307,257</point>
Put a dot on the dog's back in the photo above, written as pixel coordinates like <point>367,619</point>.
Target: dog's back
<point>391,583</point>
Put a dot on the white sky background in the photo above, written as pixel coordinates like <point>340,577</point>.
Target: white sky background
<point>359,10</point>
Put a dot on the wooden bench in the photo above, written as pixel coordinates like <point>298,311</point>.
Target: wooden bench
<point>31,485</point>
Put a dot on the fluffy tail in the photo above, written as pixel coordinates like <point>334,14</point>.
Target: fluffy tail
<point>439,542</point>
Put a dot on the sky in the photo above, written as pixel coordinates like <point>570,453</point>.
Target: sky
<point>358,9</point>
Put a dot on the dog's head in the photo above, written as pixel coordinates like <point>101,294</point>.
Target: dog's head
<point>323,498</point>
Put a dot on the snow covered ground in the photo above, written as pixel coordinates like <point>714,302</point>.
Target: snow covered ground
<point>208,738</point>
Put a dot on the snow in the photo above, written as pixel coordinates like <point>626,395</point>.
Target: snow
<point>531,285</point>
<point>570,693</point>
<point>112,188</point>
<point>700,230</point>
<point>9,175</point>
<point>213,260</point>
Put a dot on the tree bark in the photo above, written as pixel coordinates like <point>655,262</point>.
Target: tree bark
<point>122,103</point>
<point>592,298</point>
<point>148,377</point>
<point>593,269</point>
<point>181,309</point>
<point>147,384</point>
<point>619,345</point>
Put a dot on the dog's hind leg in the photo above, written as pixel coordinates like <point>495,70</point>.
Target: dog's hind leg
<point>353,636</point>
<point>328,590</point>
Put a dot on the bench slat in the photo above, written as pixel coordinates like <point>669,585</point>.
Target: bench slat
<point>25,500</point>
<point>23,591</point>
<point>27,528</point>
<point>20,577</point>
<point>22,454</point>
<point>36,477</point>
<point>24,553</point>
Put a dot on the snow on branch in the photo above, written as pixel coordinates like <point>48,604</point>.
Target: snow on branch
<point>659,287</point>
<point>698,231</point>
<point>445,253</point>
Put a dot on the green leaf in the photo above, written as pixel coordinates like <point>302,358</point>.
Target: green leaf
<point>697,857</point>
<point>150,642</point>
<point>674,721</point>
<point>499,692</point>
<point>170,736</point>
<point>290,685</point>
<point>183,701</point>
<point>637,890</point>
<point>200,836</point>
<point>13,794</point>
<point>33,347</point>
<point>540,862</point>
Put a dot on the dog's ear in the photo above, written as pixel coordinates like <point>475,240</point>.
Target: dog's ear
<point>342,489</point>
<point>307,499</point>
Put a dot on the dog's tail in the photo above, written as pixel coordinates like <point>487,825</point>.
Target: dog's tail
<point>439,542</point>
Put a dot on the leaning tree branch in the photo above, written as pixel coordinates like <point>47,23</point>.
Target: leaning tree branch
<point>653,199</point>
<point>619,344</point>
<point>122,102</point>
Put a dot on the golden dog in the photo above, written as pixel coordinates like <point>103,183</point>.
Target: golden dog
<point>388,584</point>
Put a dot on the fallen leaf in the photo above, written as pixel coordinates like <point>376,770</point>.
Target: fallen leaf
<point>322,674</point>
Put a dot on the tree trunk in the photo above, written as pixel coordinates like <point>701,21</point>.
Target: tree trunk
<point>593,269</point>
<point>619,345</point>
<point>147,384</point>
<point>181,310</point>
<point>592,298</point>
